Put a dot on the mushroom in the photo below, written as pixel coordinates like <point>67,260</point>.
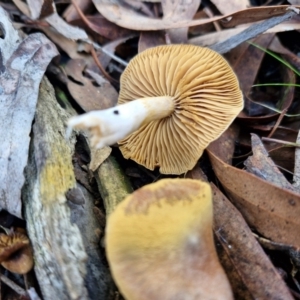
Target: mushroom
<point>174,101</point>
<point>16,253</point>
<point>159,244</point>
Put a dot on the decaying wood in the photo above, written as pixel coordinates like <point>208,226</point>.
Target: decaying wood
<point>112,183</point>
<point>98,280</point>
<point>60,257</point>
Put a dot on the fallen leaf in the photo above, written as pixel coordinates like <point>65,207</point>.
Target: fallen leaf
<point>40,9</point>
<point>121,15</point>
<point>22,66</point>
<point>98,156</point>
<point>37,9</point>
<point>231,6</point>
<point>262,166</point>
<point>149,39</point>
<point>241,254</point>
<point>107,29</point>
<point>65,29</point>
<point>245,253</point>
<point>246,61</point>
<point>271,210</point>
<point>71,14</point>
<point>88,96</point>
<point>179,10</point>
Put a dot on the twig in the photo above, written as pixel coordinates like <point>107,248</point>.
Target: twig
<point>287,144</point>
<point>96,46</point>
<point>277,122</point>
<point>108,77</point>
<point>209,13</point>
<point>13,286</point>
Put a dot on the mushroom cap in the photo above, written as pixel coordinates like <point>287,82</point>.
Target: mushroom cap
<point>159,243</point>
<point>207,99</point>
<point>16,253</point>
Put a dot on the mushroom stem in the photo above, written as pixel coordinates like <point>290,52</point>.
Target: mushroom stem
<point>111,125</point>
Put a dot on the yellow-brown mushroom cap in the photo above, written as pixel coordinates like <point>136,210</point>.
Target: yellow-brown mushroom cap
<point>207,99</point>
<point>16,254</point>
<point>159,243</point>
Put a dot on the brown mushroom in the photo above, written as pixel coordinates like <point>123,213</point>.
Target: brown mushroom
<point>16,253</point>
<point>174,101</point>
<point>159,244</point>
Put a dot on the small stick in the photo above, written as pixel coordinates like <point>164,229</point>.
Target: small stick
<point>13,286</point>
<point>277,122</point>
<point>288,144</point>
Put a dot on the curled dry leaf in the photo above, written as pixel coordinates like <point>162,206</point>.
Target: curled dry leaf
<point>71,13</point>
<point>106,28</point>
<point>240,253</point>
<point>123,16</point>
<point>171,216</point>
<point>40,8</point>
<point>246,61</point>
<point>245,253</point>
<point>271,210</point>
<point>262,166</point>
<point>98,156</point>
<point>150,39</point>
<point>231,6</point>
<point>23,63</point>
<point>176,11</point>
<point>86,94</point>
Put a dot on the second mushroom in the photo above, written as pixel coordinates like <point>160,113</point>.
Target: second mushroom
<point>174,101</point>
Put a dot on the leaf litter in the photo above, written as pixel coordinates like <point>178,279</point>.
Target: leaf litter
<point>264,196</point>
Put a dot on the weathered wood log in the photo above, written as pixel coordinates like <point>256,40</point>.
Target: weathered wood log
<point>112,183</point>
<point>60,256</point>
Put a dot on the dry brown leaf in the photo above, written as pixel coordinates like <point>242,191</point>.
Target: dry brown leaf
<point>262,166</point>
<point>245,253</point>
<point>231,6</point>
<point>111,47</point>
<point>107,29</point>
<point>176,11</point>
<point>119,14</point>
<point>246,60</point>
<point>65,29</point>
<point>71,14</point>
<point>22,65</point>
<point>273,211</point>
<point>88,96</point>
<point>98,156</point>
<point>220,36</point>
<point>41,8</point>
<point>282,156</point>
<point>36,7</point>
<point>242,256</point>
<point>149,39</point>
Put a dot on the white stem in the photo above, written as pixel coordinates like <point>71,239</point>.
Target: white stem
<point>111,125</point>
